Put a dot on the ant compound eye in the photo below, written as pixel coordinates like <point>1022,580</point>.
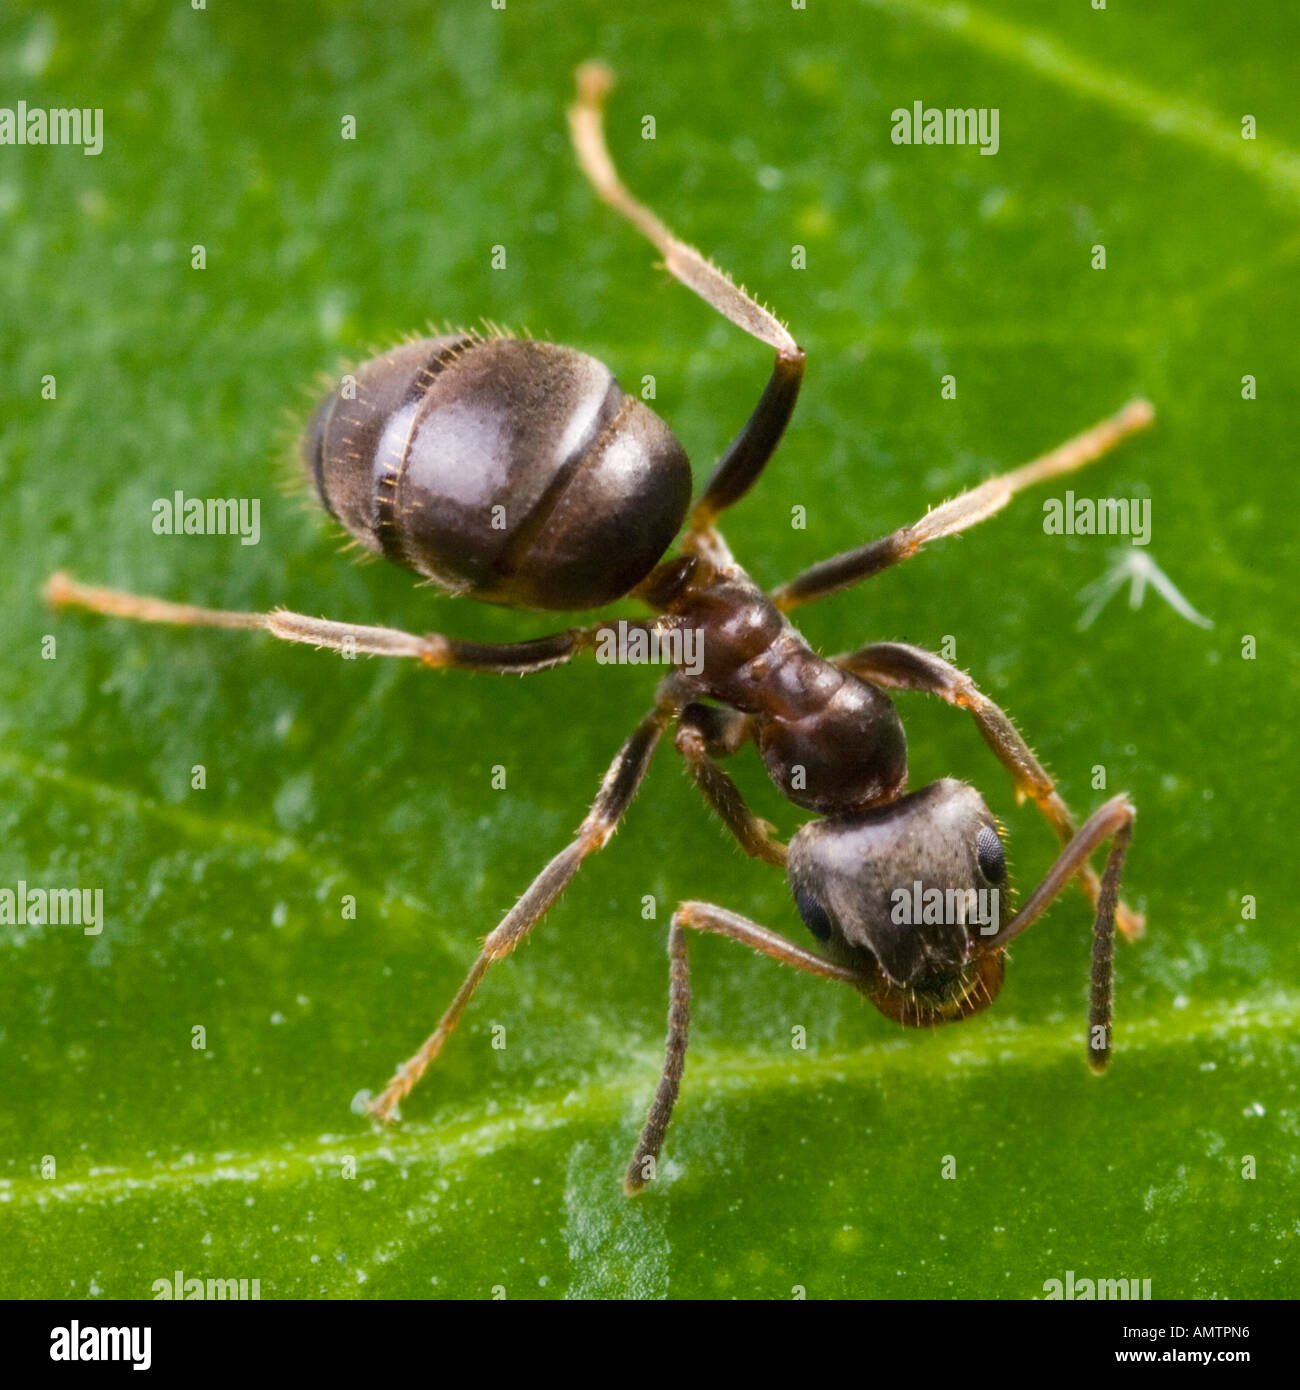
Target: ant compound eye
<point>813,914</point>
<point>990,854</point>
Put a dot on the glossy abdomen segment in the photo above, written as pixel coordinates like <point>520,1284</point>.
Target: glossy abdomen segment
<point>510,470</point>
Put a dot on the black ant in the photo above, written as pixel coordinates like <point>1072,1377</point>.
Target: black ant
<point>521,473</point>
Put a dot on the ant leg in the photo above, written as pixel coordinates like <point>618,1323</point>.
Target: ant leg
<point>961,512</point>
<point>725,731</point>
<point>748,453</point>
<point>705,917</point>
<point>514,658</point>
<point>1114,822</point>
<point>701,728</point>
<point>898,666</point>
<point>620,785</point>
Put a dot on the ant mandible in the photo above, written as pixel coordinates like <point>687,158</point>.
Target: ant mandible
<point>446,436</point>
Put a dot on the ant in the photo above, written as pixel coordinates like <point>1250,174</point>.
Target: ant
<point>520,473</point>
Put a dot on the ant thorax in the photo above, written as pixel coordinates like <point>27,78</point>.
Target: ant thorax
<point>831,741</point>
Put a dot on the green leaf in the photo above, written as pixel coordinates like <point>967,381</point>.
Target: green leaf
<point>132,1153</point>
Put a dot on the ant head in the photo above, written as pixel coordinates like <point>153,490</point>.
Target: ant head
<point>914,889</point>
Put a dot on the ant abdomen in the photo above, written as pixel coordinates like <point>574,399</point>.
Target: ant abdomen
<point>513,471</point>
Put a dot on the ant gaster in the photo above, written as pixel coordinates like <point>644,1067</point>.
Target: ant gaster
<point>446,437</point>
